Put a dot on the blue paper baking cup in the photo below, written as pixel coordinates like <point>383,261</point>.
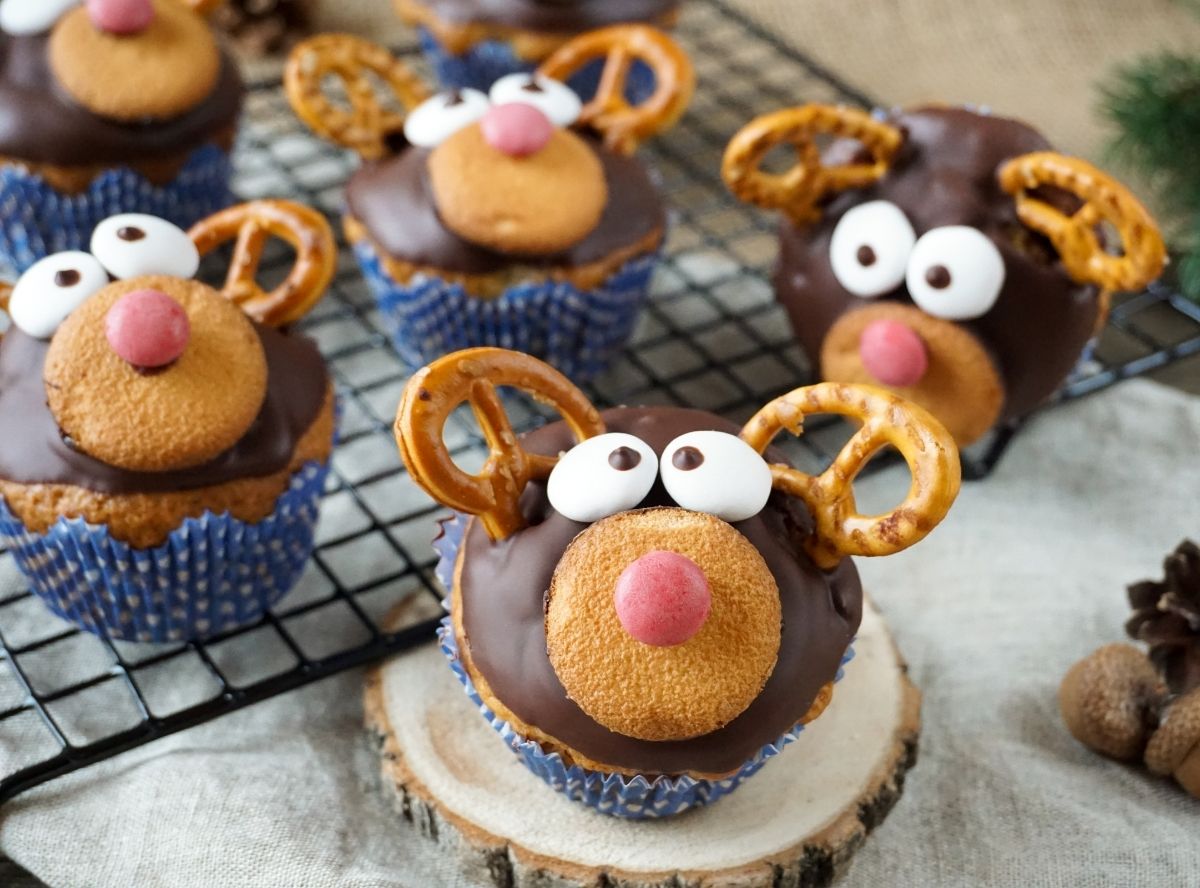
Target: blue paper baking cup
<point>632,798</point>
<point>36,220</point>
<point>578,331</point>
<point>213,574</point>
<point>489,60</point>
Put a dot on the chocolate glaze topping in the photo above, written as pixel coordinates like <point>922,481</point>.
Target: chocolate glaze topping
<point>503,586</point>
<point>296,386</point>
<point>394,202</point>
<point>42,123</point>
<point>550,15</point>
<point>945,174</point>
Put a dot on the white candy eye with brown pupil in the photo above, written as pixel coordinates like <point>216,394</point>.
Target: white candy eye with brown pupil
<point>53,288</point>
<point>435,120</point>
<point>556,100</point>
<point>602,476</point>
<point>955,273</point>
<point>870,248</point>
<point>25,17</point>
<point>717,473</point>
<point>133,245</point>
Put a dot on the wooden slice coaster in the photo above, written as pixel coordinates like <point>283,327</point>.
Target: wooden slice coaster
<point>797,822</point>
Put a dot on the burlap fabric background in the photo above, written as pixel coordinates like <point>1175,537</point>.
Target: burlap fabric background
<point>1037,59</point>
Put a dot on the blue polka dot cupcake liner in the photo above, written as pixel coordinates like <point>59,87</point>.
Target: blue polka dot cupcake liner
<point>616,795</point>
<point>489,60</point>
<point>578,331</point>
<point>37,220</point>
<point>213,574</point>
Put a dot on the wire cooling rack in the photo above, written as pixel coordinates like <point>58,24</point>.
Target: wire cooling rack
<point>712,337</point>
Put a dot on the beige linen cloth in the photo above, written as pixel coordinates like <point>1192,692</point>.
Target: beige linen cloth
<point>1024,578</point>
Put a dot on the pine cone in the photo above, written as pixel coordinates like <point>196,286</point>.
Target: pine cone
<point>1166,616</point>
<point>262,27</point>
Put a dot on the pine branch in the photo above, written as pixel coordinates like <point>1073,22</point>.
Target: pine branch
<point>1154,105</point>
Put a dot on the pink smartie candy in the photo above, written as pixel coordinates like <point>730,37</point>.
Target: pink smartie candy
<point>148,329</point>
<point>893,353</point>
<point>516,129</point>
<point>663,599</point>
<point>121,17</point>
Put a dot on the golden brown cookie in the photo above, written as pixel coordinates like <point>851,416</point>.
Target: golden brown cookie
<point>536,205</point>
<point>962,387</point>
<point>145,520</point>
<point>663,693</point>
<point>175,418</point>
<point>157,74</point>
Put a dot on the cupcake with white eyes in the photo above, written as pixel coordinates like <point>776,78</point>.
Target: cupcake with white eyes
<point>517,217</point>
<point>944,253</point>
<point>648,603</point>
<point>168,443</point>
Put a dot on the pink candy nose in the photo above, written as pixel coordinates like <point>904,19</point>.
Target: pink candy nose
<point>893,353</point>
<point>516,129</point>
<point>148,329</point>
<point>663,599</point>
<point>121,16</point>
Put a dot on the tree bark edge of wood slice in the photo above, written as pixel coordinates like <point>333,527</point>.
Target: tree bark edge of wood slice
<point>815,859</point>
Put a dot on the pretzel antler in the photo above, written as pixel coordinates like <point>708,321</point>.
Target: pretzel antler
<point>800,191</point>
<point>369,123</point>
<point>252,224</point>
<point>840,530</point>
<point>625,126</point>
<point>6,291</point>
<point>1075,236</point>
<point>472,376</point>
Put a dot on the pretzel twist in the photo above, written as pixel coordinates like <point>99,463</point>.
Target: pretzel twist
<point>472,377</point>
<point>799,191</point>
<point>6,291</point>
<point>840,530</point>
<point>625,126</point>
<point>369,123</point>
<point>253,224</point>
<point>1075,236</point>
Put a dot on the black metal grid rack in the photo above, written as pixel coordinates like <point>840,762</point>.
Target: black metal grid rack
<point>712,337</point>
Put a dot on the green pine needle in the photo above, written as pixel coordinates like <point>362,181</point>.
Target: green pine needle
<point>1154,104</point>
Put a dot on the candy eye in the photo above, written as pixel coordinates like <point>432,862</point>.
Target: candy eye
<point>554,99</point>
<point>602,476</point>
<point>437,119</point>
<point>955,273</point>
<point>870,248</point>
<point>132,245</point>
<point>53,288</point>
<point>21,18</point>
<point>717,473</point>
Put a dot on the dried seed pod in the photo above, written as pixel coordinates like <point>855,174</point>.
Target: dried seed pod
<point>1111,700</point>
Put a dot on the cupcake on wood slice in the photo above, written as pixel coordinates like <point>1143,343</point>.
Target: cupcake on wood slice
<point>517,218</point>
<point>473,43</point>
<point>944,253</point>
<point>648,603</point>
<point>168,442</point>
<point>107,107</point>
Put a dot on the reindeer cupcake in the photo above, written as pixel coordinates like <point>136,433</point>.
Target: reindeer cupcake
<point>648,603</point>
<point>107,107</point>
<point>945,253</point>
<point>517,218</point>
<point>172,440</point>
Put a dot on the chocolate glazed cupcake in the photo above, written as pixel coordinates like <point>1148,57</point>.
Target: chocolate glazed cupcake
<point>517,218</point>
<point>473,43</point>
<point>173,441</point>
<point>944,253</point>
<point>117,106</point>
<point>644,605</point>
